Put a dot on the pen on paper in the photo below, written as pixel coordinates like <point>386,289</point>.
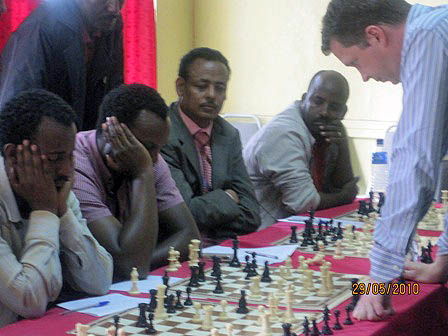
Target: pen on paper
<point>96,305</point>
<point>263,255</point>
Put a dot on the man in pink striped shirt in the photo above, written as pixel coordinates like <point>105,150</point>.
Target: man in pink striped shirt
<point>124,186</point>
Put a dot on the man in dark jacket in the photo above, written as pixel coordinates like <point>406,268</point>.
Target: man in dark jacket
<point>73,48</point>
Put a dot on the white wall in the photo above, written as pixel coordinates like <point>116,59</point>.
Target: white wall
<point>273,47</point>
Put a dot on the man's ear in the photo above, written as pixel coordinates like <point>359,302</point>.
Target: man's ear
<point>180,86</point>
<point>9,150</point>
<point>375,35</point>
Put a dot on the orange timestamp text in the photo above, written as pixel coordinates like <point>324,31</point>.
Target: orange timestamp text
<point>382,288</point>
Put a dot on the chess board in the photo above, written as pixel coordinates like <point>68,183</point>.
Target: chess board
<point>180,323</point>
<point>233,281</point>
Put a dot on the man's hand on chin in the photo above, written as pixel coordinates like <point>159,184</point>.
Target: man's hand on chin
<point>373,307</point>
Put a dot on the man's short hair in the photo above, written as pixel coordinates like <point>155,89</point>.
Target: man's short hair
<point>128,100</point>
<point>204,53</point>
<point>21,116</point>
<point>346,20</point>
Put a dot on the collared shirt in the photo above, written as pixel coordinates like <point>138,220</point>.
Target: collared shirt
<point>95,188</point>
<point>194,129</point>
<point>420,141</point>
<point>36,251</point>
<point>279,163</point>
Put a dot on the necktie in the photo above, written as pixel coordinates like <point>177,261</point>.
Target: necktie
<point>206,159</point>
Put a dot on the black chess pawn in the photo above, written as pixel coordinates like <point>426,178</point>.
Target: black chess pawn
<point>247,267</point>
<point>170,309</point>
<point>337,325</point>
<point>201,273</point>
<point>306,326</point>
<point>348,320</point>
<point>218,289</point>
<point>194,277</point>
<point>188,301</point>
<point>315,331</point>
<point>215,266</point>
<point>266,277</point>
<point>293,239</point>
<point>339,231</point>
<point>141,323</point>
<point>116,323</point>
<point>355,294</point>
<point>150,329</point>
<point>235,262</point>
<point>153,302</point>
<point>254,260</point>
<point>326,330</point>
<point>242,304</point>
<point>286,329</point>
<point>165,280</point>
<point>179,304</point>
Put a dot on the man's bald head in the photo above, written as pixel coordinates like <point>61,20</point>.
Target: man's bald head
<point>330,76</point>
<point>325,102</point>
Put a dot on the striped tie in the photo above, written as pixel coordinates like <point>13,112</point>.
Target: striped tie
<point>206,159</point>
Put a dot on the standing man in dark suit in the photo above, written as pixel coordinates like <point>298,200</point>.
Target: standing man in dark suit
<point>204,151</point>
<point>73,48</point>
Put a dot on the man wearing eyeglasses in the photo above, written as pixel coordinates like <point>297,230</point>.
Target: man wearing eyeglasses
<point>300,160</point>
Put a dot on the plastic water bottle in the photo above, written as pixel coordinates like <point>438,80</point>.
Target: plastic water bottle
<point>380,169</point>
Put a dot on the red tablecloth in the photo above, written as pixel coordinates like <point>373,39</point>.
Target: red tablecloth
<point>423,314</point>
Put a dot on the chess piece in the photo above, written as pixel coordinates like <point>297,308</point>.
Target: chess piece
<point>326,330</point>
<point>280,284</point>
<point>302,265</point>
<point>229,329</point>
<point>289,315</point>
<point>255,288</point>
<point>141,322</point>
<point>324,290</point>
<point>197,313</point>
<point>172,265</point>
<point>218,289</point>
<point>315,331</point>
<point>266,277</point>
<point>188,301</point>
<point>170,309</point>
<point>235,262</point>
<point>266,329</point>
<point>201,273</point>
<point>293,239</point>
<point>179,304</point>
<point>121,332</point>
<point>117,321</point>
<point>81,329</point>
<point>338,252</point>
<point>306,326</point>
<point>273,308</point>
<point>160,312</point>
<point>247,267</point>
<point>288,268</point>
<point>337,325</point>
<point>134,280</point>
<point>286,329</point>
<point>111,331</point>
<point>150,330</point>
<point>153,302</point>
<point>214,332</point>
<point>355,295</point>
<point>242,304</point>
<point>348,320</point>
<point>254,260</point>
<point>207,323</point>
<point>223,316</point>
<point>194,277</point>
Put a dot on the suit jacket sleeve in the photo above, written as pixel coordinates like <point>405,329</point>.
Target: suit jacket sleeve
<point>24,62</point>
<point>215,212</point>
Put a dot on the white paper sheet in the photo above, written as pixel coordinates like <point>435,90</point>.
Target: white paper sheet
<point>117,303</point>
<point>272,254</point>
<point>143,285</point>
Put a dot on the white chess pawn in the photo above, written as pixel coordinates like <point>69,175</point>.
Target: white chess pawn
<point>81,329</point>
<point>207,323</point>
<point>223,316</point>
<point>338,252</point>
<point>134,280</point>
<point>197,315</point>
<point>273,309</point>
<point>266,329</point>
<point>214,332</point>
<point>229,329</point>
<point>280,284</point>
<point>255,288</point>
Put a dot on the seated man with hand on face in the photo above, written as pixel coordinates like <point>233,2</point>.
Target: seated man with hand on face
<point>42,233</point>
<point>127,195</point>
<point>204,150</point>
<point>300,160</point>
